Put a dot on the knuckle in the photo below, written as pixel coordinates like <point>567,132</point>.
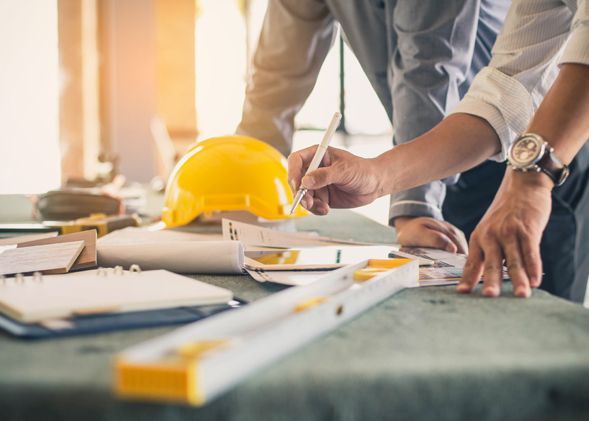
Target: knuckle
<point>508,230</point>
<point>475,238</point>
<point>486,237</point>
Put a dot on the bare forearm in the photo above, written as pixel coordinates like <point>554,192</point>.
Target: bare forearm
<point>462,141</point>
<point>458,143</point>
<point>563,117</point>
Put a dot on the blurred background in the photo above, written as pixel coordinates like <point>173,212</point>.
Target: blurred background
<point>99,88</point>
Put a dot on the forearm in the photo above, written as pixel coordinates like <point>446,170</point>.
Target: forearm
<point>563,117</point>
<point>458,143</point>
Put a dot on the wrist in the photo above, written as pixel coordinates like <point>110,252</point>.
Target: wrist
<point>383,165</point>
<point>530,179</point>
<point>400,221</point>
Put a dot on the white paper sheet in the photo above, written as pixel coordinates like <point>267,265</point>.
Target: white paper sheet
<point>171,250</point>
<point>255,235</point>
<point>294,278</point>
<point>437,267</point>
<point>60,296</point>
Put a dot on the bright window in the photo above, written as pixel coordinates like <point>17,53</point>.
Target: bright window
<point>29,147</point>
<point>222,36</point>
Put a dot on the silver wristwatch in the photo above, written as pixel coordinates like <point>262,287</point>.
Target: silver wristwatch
<point>530,152</point>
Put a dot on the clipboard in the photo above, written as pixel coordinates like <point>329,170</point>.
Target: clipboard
<point>102,323</point>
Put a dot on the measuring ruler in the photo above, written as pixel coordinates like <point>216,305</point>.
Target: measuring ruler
<point>198,362</point>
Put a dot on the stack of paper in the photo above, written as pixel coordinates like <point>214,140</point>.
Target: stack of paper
<point>437,267</point>
<point>253,235</point>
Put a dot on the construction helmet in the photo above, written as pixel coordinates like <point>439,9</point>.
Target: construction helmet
<point>229,173</point>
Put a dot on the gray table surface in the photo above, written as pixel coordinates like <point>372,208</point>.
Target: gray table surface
<point>422,354</point>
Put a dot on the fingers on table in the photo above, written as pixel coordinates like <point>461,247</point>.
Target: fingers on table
<point>486,256</point>
<point>473,269</point>
<point>515,267</point>
<point>532,261</point>
<point>493,267</point>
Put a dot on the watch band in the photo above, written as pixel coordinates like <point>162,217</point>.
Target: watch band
<point>553,167</point>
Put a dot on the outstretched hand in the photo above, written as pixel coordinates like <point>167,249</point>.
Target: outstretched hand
<point>510,231</point>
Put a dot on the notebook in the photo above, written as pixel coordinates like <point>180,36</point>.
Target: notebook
<point>38,299</point>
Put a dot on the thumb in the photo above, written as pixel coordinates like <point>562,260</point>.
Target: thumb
<point>321,177</point>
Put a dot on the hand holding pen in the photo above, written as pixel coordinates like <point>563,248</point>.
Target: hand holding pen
<point>317,157</point>
<point>344,180</point>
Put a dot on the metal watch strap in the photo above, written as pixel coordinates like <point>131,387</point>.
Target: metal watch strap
<point>553,167</point>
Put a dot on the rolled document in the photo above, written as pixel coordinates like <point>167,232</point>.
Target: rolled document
<point>173,251</point>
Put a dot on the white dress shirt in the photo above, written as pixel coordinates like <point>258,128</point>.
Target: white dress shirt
<point>538,36</point>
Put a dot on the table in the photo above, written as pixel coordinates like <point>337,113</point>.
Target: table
<point>422,354</point>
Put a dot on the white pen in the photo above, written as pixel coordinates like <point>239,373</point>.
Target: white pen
<point>318,157</point>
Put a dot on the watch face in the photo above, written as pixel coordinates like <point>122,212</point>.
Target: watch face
<point>526,151</point>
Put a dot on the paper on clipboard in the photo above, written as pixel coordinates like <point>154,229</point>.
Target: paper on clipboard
<point>253,235</point>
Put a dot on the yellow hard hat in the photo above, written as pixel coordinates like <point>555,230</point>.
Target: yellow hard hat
<point>229,173</point>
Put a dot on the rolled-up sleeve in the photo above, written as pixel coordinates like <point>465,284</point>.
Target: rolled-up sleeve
<point>524,66</point>
<point>577,47</point>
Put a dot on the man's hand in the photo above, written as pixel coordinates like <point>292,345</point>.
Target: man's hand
<point>511,230</point>
<point>344,180</point>
<point>429,232</point>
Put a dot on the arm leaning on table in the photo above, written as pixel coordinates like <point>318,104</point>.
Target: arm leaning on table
<point>439,47</point>
<point>295,39</point>
<point>499,106</point>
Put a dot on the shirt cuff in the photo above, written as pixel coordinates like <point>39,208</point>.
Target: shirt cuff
<point>503,102</point>
<point>414,208</point>
<point>577,47</point>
